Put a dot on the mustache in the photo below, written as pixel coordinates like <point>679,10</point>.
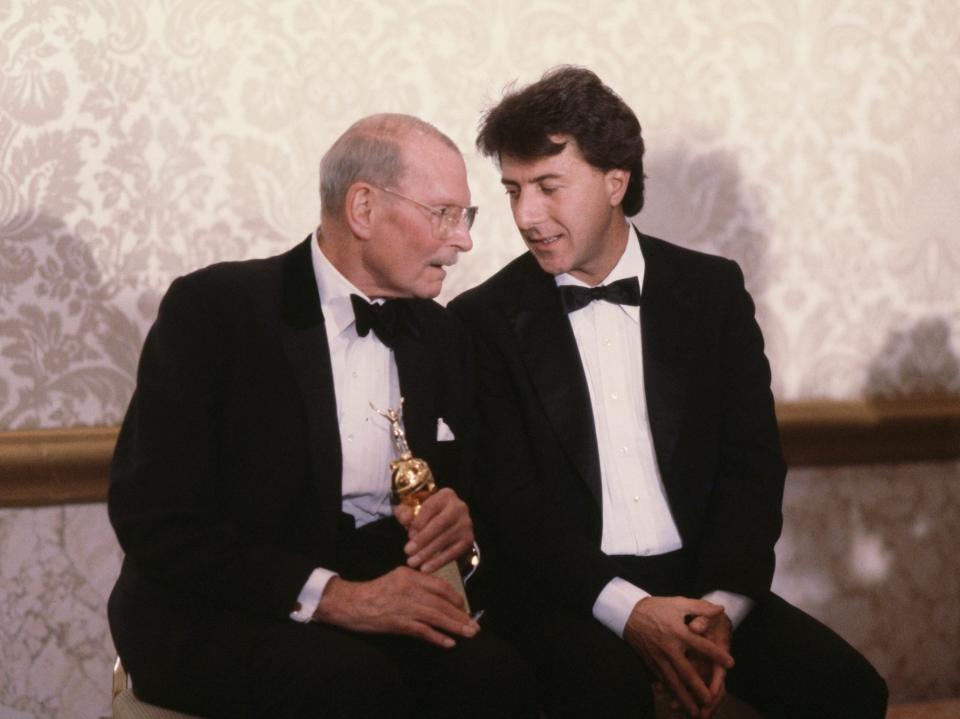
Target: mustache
<point>446,261</point>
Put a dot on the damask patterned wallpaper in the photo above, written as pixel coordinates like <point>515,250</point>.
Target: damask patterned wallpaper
<point>815,141</point>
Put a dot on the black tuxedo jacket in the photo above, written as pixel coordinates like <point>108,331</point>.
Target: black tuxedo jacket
<point>711,414</point>
<point>225,489</point>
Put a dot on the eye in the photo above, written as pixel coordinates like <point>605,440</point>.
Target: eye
<point>512,192</point>
<point>549,189</point>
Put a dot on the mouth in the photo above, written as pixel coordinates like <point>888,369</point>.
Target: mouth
<point>440,267</point>
<point>440,264</point>
<point>542,241</point>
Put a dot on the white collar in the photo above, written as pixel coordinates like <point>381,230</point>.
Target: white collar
<point>630,264</point>
<point>334,289</point>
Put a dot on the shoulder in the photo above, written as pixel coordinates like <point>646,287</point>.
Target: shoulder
<point>504,288</point>
<point>231,277</point>
<point>234,284</point>
<point>227,298</point>
<point>435,321</point>
<point>658,252</point>
<point>680,273</point>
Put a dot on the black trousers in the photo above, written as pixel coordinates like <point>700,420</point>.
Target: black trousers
<point>216,663</point>
<point>787,663</point>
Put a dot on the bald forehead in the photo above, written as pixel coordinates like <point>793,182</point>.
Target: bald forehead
<point>379,149</point>
<point>421,146</point>
<point>433,170</point>
<point>400,129</point>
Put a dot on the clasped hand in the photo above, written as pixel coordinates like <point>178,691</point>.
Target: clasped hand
<point>691,658</point>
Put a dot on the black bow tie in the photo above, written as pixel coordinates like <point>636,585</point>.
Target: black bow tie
<point>384,319</point>
<point>621,292</point>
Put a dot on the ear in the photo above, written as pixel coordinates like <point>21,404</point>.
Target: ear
<point>616,182</point>
<point>359,209</point>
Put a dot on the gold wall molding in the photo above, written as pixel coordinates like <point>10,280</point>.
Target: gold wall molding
<point>822,432</point>
<point>62,466</point>
<point>55,466</point>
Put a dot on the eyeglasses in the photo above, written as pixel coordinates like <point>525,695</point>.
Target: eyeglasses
<point>450,216</point>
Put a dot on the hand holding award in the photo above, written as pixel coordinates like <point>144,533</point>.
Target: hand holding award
<point>412,484</point>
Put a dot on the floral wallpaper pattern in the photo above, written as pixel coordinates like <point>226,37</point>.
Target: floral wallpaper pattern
<point>815,141</point>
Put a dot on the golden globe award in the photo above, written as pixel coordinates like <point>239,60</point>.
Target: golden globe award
<point>411,484</point>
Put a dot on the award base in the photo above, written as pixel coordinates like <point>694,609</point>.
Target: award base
<point>450,573</point>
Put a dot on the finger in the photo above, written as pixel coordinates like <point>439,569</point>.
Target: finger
<point>676,686</point>
<point>690,678</point>
<point>442,615</point>
<point>718,682</point>
<point>699,625</point>
<point>715,675</point>
<point>442,531</point>
<point>442,618</point>
<point>702,607</point>
<point>438,588</point>
<point>434,504</point>
<point>424,601</point>
<point>446,546</point>
<point>439,520</point>
<point>421,630</point>
<point>439,557</point>
<point>403,514</point>
<point>443,549</point>
<point>719,691</point>
<point>703,667</point>
<point>710,650</point>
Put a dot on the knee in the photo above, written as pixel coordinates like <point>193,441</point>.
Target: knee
<point>855,689</point>
<point>371,686</point>
<point>354,683</point>
<point>609,688</point>
<point>487,677</point>
<point>867,692</point>
<point>510,689</point>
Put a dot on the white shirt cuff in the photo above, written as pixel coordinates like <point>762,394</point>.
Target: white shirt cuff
<point>310,595</point>
<point>736,606</point>
<point>615,603</point>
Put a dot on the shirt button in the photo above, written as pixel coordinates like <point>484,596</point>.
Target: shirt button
<point>349,437</point>
<point>613,395</point>
<point>637,498</point>
<point>624,450</point>
<point>354,374</point>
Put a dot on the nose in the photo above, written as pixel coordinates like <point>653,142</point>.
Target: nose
<point>459,237</point>
<point>527,211</point>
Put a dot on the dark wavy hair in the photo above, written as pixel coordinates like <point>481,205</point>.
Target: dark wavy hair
<point>572,101</point>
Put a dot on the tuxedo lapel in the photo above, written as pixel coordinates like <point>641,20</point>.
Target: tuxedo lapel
<point>667,332</point>
<point>418,371</point>
<point>548,349</point>
<point>304,339</point>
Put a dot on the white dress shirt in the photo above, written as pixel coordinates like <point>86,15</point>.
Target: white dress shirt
<point>364,371</point>
<point>636,516</point>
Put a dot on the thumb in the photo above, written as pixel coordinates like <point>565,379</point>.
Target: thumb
<point>403,514</point>
<point>699,625</point>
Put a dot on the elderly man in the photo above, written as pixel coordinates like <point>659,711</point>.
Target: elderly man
<point>265,571</point>
<point>638,474</point>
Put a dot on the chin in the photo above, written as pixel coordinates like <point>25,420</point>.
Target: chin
<point>550,266</point>
<point>427,293</point>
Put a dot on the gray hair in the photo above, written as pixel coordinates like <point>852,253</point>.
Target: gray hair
<point>369,151</point>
